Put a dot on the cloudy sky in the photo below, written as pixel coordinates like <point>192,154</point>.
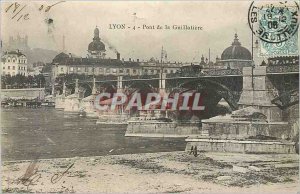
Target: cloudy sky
<point>77,20</point>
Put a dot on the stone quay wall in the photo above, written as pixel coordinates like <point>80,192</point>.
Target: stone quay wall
<point>257,147</point>
<point>161,129</point>
<point>26,93</point>
<point>244,130</point>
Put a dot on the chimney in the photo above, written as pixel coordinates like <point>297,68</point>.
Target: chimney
<point>118,55</point>
<point>137,60</point>
<point>129,59</point>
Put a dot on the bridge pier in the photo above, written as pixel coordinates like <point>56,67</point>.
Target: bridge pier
<point>72,102</point>
<point>116,116</point>
<point>258,92</point>
<point>256,127</point>
<point>87,104</point>
<point>60,99</point>
<point>162,83</point>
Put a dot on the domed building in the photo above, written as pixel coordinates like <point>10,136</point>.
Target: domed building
<point>236,56</point>
<point>96,48</point>
<point>96,63</point>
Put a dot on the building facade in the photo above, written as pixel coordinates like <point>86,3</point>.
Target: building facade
<point>97,64</point>
<point>14,63</point>
<point>235,56</point>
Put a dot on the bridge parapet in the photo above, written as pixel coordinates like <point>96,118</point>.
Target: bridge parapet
<point>208,73</point>
<point>282,69</point>
<point>126,77</point>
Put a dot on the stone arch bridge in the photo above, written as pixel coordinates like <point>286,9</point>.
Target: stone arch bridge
<point>280,82</point>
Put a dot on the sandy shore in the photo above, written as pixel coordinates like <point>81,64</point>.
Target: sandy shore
<point>167,172</point>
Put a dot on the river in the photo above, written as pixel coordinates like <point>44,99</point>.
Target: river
<point>48,133</point>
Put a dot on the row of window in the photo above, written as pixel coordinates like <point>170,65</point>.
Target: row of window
<point>14,68</point>
<point>109,70</point>
<point>13,73</point>
<point>15,60</point>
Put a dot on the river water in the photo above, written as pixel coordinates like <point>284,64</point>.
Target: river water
<point>48,133</point>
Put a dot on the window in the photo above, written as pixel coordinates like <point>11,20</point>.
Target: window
<point>127,70</point>
<point>114,70</point>
<point>8,67</point>
<point>71,69</point>
<point>3,67</point>
<point>158,71</point>
<point>8,60</point>
<point>107,70</point>
<point>86,69</point>
<point>134,71</point>
<point>13,67</point>
<point>165,71</point>
<point>121,70</point>
<point>100,70</point>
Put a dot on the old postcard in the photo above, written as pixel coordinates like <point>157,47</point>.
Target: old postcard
<point>149,96</point>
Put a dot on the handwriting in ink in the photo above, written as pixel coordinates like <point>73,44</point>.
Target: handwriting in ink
<point>56,177</point>
<point>19,12</point>
<point>30,176</point>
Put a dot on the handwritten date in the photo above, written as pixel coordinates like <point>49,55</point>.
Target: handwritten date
<point>19,12</point>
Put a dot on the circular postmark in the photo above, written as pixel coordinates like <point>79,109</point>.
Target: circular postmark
<point>274,22</point>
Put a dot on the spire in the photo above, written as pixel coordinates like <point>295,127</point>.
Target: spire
<point>63,44</point>
<point>202,58</point>
<point>96,34</point>
<point>236,41</point>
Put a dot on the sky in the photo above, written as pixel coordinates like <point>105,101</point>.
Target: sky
<point>76,20</point>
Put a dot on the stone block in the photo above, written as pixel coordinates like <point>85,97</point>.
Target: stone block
<point>254,168</point>
<point>224,178</point>
<point>239,169</point>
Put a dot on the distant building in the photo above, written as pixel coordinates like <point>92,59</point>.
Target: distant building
<point>13,63</point>
<point>97,64</point>
<point>235,56</point>
<point>36,68</point>
<point>96,48</point>
<point>18,43</point>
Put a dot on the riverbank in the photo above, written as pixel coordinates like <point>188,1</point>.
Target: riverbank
<point>170,172</point>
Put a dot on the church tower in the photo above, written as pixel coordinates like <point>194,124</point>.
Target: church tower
<point>96,48</point>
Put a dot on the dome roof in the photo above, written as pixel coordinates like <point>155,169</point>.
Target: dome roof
<point>236,51</point>
<point>60,57</point>
<point>96,45</point>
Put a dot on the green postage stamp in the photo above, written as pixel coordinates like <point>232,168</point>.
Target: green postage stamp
<point>276,24</point>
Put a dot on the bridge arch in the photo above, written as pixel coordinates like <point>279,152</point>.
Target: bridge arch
<point>139,86</point>
<point>85,88</point>
<point>207,85</point>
